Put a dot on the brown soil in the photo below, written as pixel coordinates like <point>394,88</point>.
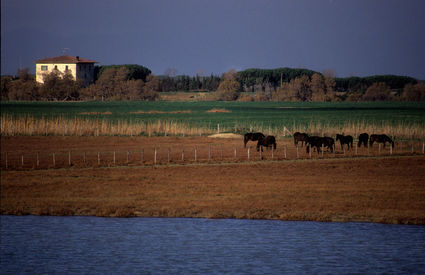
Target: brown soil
<point>388,189</point>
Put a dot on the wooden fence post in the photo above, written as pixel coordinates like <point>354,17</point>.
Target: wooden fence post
<point>379,148</point>
<point>284,151</point>
<point>6,161</point>
<point>297,152</point>
<point>221,152</point>
<point>128,156</point>
<point>412,149</point>
<point>114,157</point>
<point>196,154</point>
<point>249,148</point>
<point>309,150</point>
<point>38,159</point>
<point>54,160</point>
<point>155,154</point>
<point>261,152</point>
<point>169,151</point>
<point>183,155</point>
<point>98,158</point>
<point>22,160</point>
<point>235,152</point>
<point>69,158</point>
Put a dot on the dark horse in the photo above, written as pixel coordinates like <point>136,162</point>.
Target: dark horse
<point>300,137</point>
<point>345,140</point>
<point>363,139</point>
<point>318,142</point>
<point>268,141</point>
<point>380,139</point>
<point>252,136</point>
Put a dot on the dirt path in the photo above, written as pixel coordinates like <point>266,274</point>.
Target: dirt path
<point>386,189</point>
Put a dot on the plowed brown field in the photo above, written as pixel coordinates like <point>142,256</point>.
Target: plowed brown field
<point>212,183</point>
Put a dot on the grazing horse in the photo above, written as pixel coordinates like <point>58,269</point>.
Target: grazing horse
<point>380,139</point>
<point>363,139</point>
<point>252,136</point>
<point>268,141</point>
<point>329,143</point>
<point>300,137</point>
<point>345,140</point>
<point>318,142</point>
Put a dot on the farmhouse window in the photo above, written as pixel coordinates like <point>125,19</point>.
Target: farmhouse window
<point>44,68</point>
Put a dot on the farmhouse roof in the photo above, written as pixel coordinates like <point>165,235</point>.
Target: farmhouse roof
<point>66,59</point>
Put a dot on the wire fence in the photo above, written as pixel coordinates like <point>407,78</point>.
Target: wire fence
<point>160,155</point>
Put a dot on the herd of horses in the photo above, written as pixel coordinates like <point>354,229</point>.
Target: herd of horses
<point>317,142</point>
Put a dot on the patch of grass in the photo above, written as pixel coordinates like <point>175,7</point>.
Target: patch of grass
<point>400,119</point>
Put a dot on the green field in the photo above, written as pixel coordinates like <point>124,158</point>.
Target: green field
<point>241,116</point>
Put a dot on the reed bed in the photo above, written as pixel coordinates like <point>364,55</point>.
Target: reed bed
<point>63,126</point>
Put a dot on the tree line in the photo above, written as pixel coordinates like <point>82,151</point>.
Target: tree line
<point>135,82</point>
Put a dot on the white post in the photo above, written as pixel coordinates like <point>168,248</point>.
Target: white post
<point>155,156</point>
<point>235,152</point>
<point>218,128</point>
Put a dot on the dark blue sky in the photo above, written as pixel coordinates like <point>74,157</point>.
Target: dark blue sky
<point>358,37</point>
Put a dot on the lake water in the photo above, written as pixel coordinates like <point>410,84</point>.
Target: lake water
<point>90,245</point>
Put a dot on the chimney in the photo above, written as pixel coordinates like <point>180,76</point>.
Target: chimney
<point>78,58</point>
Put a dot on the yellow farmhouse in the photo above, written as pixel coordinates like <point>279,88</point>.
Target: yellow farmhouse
<point>81,69</point>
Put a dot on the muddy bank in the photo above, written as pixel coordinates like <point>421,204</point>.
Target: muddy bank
<point>386,190</point>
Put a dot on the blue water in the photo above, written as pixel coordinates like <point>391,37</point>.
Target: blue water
<point>90,245</point>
